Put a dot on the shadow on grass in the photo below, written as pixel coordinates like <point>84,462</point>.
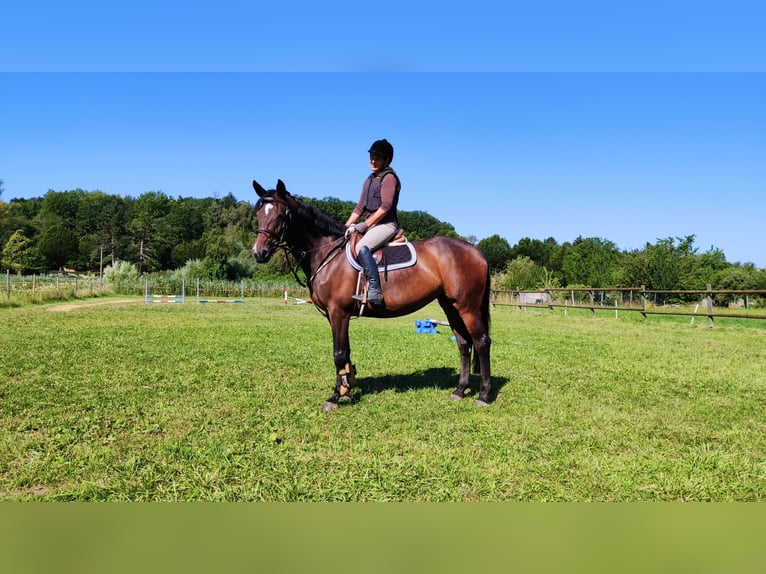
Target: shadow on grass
<point>435,378</point>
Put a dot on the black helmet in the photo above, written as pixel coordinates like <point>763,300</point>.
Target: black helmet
<point>382,148</point>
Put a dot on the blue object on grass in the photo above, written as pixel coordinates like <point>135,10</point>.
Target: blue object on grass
<point>425,326</point>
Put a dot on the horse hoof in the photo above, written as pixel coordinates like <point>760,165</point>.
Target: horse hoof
<point>456,397</point>
<point>481,403</point>
<point>329,406</point>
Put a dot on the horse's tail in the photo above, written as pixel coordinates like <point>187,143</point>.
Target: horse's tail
<point>485,316</point>
<point>485,302</point>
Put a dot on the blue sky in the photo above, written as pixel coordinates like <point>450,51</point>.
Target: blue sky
<point>639,124</point>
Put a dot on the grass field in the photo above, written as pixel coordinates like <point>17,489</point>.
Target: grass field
<point>128,401</point>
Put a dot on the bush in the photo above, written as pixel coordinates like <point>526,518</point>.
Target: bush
<point>123,276</point>
<point>523,273</point>
<point>194,268</point>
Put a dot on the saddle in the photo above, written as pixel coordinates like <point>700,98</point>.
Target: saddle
<point>398,253</point>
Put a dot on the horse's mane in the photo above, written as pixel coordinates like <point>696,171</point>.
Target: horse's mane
<point>323,223</point>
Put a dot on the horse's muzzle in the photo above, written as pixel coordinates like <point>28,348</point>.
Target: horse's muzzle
<point>262,255</point>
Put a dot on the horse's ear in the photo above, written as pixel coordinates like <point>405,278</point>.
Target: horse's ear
<point>258,188</point>
<point>281,188</point>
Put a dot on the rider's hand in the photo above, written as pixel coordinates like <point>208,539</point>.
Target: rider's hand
<point>361,227</point>
<point>349,230</point>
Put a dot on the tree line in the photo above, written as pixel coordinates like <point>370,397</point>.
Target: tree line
<point>86,231</point>
<point>89,230</point>
<point>672,263</point>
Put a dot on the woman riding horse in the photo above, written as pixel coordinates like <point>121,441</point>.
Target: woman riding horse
<point>449,270</point>
<point>377,203</point>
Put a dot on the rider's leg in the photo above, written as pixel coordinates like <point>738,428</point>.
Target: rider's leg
<point>375,237</point>
<point>374,294</point>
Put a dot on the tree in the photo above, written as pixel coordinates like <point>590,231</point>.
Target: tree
<point>633,270</point>
<point>5,213</point>
<point>61,207</point>
<point>541,252</point>
<point>145,222</point>
<point>665,263</point>
<point>19,214</point>
<point>101,225</point>
<point>522,273</point>
<point>336,208</point>
<point>591,261</point>
<point>19,254</point>
<point>421,225</point>
<point>740,277</point>
<point>705,268</point>
<point>497,251</point>
<point>58,245</point>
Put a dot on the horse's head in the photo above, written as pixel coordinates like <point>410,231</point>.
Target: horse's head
<point>273,213</point>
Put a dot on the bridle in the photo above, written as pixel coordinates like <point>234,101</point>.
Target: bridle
<point>277,237</point>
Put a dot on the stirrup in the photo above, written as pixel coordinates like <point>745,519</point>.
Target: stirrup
<point>364,299</point>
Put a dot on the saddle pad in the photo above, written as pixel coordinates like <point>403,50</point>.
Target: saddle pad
<point>394,256</point>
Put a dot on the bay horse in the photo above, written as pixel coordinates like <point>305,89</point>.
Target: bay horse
<point>452,271</point>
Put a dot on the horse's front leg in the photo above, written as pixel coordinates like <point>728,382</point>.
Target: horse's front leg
<point>345,372</point>
<point>464,347</point>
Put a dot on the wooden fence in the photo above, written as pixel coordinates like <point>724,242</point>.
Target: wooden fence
<point>50,287</point>
<point>630,299</point>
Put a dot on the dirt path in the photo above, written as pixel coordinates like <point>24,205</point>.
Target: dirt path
<point>66,307</point>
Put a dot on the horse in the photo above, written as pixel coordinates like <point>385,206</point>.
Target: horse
<point>449,270</point>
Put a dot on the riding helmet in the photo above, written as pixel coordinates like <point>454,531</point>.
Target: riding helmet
<point>382,148</point>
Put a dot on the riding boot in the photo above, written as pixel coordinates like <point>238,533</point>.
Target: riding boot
<point>374,294</point>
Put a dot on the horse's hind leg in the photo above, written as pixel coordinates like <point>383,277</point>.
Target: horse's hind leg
<point>482,345</point>
<point>471,332</point>
<point>478,327</point>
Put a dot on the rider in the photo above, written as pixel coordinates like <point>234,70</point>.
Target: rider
<point>377,203</point>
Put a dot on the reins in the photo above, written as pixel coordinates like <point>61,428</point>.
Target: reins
<point>334,250</point>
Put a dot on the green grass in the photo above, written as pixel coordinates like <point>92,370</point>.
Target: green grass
<point>222,402</point>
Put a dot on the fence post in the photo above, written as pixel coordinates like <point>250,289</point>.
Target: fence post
<point>592,299</point>
<point>709,296</point>
<point>643,300</point>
